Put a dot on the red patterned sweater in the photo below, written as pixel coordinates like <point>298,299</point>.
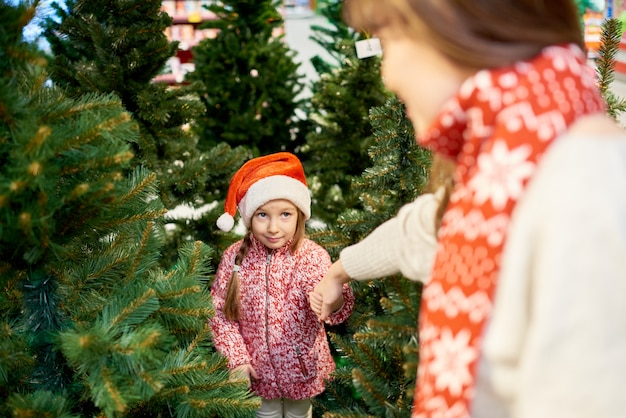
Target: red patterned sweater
<point>278,333</point>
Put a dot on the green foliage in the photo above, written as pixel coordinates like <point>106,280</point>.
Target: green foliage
<point>340,134</point>
<point>220,163</point>
<point>378,352</point>
<point>91,325</point>
<point>249,79</point>
<point>336,39</point>
<point>40,404</point>
<point>49,156</point>
<point>380,355</point>
<point>118,47</point>
<point>15,56</point>
<point>605,65</point>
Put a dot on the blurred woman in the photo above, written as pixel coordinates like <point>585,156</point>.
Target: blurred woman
<point>524,308</point>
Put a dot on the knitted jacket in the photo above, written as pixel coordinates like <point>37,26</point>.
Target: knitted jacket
<point>278,333</point>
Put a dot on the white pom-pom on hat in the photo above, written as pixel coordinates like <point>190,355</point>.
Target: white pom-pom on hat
<point>225,222</point>
<point>261,179</point>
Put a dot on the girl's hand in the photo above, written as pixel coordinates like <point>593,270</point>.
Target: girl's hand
<point>315,300</point>
<point>327,296</point>
<point>244,371</point>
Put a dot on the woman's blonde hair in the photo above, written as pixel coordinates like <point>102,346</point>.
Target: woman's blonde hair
<point>474,34</point>
<point>231,304</point>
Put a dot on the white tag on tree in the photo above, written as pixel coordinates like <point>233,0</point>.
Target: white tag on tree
<point>368,48</point>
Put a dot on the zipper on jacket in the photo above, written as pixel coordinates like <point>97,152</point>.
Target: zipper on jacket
<point>268,260</point>
<point>299,354</point>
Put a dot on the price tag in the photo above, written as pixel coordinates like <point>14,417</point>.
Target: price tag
<point>368,48</point>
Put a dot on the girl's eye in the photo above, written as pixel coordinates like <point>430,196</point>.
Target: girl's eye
<point>261,214</point>
<point>286,214</point>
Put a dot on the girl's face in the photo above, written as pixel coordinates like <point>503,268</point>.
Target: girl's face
<point>274,224</point>
<point>421,77</point>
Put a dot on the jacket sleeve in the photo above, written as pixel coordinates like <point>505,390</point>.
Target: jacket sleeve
<point>404,244</point>
<point>226,335</point>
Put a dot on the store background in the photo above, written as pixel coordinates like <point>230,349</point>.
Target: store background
<point>302,15</point>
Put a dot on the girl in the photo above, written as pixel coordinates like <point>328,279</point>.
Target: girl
<point>263,322</point>
<point>524,310</point>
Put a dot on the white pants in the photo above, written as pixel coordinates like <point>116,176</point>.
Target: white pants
<point>285,408</point>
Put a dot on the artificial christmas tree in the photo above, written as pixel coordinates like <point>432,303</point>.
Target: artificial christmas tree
<point>336,38</point>
<point>340,132</point>
<point>378,350</point>
<point>119,47</point>
<point>90,324</point>
<point>102,46</point>
<point>249,79</point>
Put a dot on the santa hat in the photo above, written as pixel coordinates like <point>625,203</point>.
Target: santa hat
<point>261,179</point>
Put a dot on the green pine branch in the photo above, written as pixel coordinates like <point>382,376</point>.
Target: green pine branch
<point>119,47</point>
<point>605,65</point>
<point>91,323</point>
<point>377,352</point>
<point>337,39</point>
<point>336,145</point>
<point>248,80</point>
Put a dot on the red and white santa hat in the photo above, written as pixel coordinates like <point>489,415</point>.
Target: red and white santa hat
<point>261,179</point>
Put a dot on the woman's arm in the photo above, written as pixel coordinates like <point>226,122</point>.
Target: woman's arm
<point>404,244</point>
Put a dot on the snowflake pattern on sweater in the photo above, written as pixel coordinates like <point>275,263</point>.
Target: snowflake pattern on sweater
<point>278,333</point>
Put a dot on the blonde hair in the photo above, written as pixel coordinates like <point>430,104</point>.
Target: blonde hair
<point>441,173</point>
<point>231,303</point>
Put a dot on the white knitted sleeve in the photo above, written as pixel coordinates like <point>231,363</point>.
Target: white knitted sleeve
<point>404,244</point>
<point>557,336</point>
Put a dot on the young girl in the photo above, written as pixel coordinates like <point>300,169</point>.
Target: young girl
<point>263,322</point>
<point>524,310</point>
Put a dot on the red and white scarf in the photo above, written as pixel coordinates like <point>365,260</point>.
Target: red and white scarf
<point>496,129</point>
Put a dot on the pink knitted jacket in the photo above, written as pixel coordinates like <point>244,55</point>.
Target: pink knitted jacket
<point>278,333</point>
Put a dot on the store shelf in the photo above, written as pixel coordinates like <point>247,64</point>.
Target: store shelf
<point>186,15</point>
<point>193,18</point>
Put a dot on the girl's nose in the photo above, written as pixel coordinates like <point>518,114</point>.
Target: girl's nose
<point>272,226</point>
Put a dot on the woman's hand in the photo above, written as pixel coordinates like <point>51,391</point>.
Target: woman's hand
<point>327,296</point>
<point>244,371</point>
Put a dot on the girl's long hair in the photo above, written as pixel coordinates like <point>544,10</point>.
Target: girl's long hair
<point>231,304</point>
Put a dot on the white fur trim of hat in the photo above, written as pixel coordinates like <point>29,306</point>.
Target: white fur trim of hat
<point>261,179</point>
<point>271,188</point>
